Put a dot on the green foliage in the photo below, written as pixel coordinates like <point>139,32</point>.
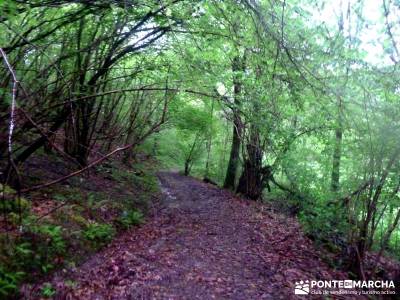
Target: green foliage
<point>42,244</point>
<point>321,222</point>
<point>194,124</point>
<point>8,8</point>
<point>9,282</point>
<point>48,290</point>
<point>139,176</point>
<point>60,197</point>
<point>52,234</point>
<point>131,218</point>
<point>23,252</point>
<point>303,98</point>
<point>15,204</point>
<point>6,190</point>
<point>99,234</point>
<point>72,195</point>
<point>70,283</point>
<point>37,249</point>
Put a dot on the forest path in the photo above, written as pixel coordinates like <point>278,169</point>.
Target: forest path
<point>203,243</point>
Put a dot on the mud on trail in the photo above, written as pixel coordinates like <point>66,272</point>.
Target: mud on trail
<point>202,243</point>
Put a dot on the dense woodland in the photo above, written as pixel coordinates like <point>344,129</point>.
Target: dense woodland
<point>293,103</point>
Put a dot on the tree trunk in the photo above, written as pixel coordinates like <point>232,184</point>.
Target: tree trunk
<point>251,180</point>
<point>337,152</point>
<point>187,167</point>
<point>361,247</point>
<point>189,157</point>
<point>230,177</point>
<point>209,142</point>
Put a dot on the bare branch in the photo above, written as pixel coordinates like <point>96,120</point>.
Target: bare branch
<point>13,100</point>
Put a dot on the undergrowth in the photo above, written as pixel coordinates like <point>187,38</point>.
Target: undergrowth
<point>38,242</point>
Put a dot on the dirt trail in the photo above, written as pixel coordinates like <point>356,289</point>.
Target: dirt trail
<point>203,243</point>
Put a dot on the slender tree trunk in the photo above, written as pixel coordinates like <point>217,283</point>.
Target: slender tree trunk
<point>189,157</point>
<point>187,167</point>
<point>209,142</point>
<point>357,257</point>
<point>337,151</point>
<point>230,177</point>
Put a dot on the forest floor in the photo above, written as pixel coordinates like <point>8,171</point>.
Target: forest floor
<point>200,243</point>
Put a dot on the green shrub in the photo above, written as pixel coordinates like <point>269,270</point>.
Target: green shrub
<point>72,195</point>
<point>23,251</point>
<point>321,222</point>
<point>60,197</point>
<point>15,204</point>
<point>9,282</point>
<point>120,175</point>
<point>53,237</point>
<point>99,233</point>
<point>38,248</point>
<point>78,219</point>
<point>14,218</point>
<point>6,190</point>
<point>48,290</point>
<point>131,218</point>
